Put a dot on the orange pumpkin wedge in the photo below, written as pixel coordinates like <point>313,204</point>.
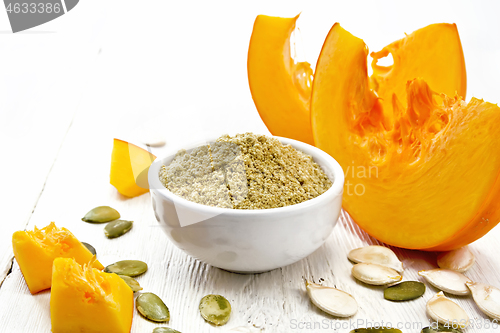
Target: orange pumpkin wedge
<point>36,250</point>
<point>433,53</point>
<point>129,168</point>
<point>280,87</point>
<point>431,181</point>
<point>84,299</point>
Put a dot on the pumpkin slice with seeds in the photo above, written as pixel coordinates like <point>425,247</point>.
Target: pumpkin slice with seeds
<point>422,174</point>
<point>84,299</point>
<point>36,250</point>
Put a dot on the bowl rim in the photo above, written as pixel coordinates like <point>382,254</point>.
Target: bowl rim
<point>333,167</point>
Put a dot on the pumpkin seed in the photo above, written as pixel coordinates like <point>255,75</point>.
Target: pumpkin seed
<point>375,274</point>
<point>439,329</point>
<point>376,330</point>
<point>165,330</point>
<point>117,228</point>
<point>459,260</point>
<point>101,214</point>
<point>376,254</point>
<point>404,291</point>
<point>131,282</point>
<point>333,301</point>
<point>487,298</point>
<point>127,267</point>
<point>447,280</point>
<point>445,311</point>
<point>215,309</point>
<point>152,307</point>
<point>90,248</point>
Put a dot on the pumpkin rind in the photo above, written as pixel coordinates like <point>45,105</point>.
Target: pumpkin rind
<point>84,299</point>
<point>129,168</point>
<point>426,178</point>
<point>280,87</point>
<point>36,250</point>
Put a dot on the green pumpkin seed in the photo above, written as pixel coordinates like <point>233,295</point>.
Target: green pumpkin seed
<point>90,248</point>
<point>117,228</point>
<point>152,307</point>
<point>215,309</point>
<point>376,330</point>
<point>439,329</point>
<point>165,330</point>
<point>101,214</point>
<point>404,291</point>
<point>127,267</point>
<point>131,282</point>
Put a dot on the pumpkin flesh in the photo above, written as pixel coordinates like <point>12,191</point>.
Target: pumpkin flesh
<point>36,250</point>
<point>84,299</point>
<point>420,176</point>
<point>129,168</point>
<point>433,53</point>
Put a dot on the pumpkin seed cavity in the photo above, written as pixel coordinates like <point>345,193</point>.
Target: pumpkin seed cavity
<point>90,248</point>
<point>376,254</point>
<point>440,329</point>
<point>487,298</point>
<point>101,214</point>
<point>130,268</point>
<point>131,282</point>
<point>375,274</point>
<point>445,311</point>
<point>215,309</point>
<point>152,307</point>
<point>165,330</point>
<point>404,291</point>
<point>459,260</point>
<point>117,228</point>
<point>447,280</point>
<point>333,301</point>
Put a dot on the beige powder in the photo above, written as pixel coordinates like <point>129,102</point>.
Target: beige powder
<point>247,171</point>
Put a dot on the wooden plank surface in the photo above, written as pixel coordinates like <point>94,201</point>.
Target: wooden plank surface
<point>180,71</point>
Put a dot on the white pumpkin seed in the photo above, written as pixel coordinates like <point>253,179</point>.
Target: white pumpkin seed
<point>445,311</point>
<point>447,280</point>
<point>459,260</point>
<point>375,274</point>
<point>487,298</point>
<point>215,309</point>
<point>152,307</point>
<point>376,254</point>
<point>333,301</point>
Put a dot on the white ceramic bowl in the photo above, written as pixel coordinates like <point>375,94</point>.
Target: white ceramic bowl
<point>250,241</point>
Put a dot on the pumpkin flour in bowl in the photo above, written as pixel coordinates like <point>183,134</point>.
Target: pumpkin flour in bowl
<point>246,171</point>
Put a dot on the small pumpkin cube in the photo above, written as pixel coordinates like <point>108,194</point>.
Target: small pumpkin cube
<point>84,299</point>
<point>36,250</point>
<point>129,168</point>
